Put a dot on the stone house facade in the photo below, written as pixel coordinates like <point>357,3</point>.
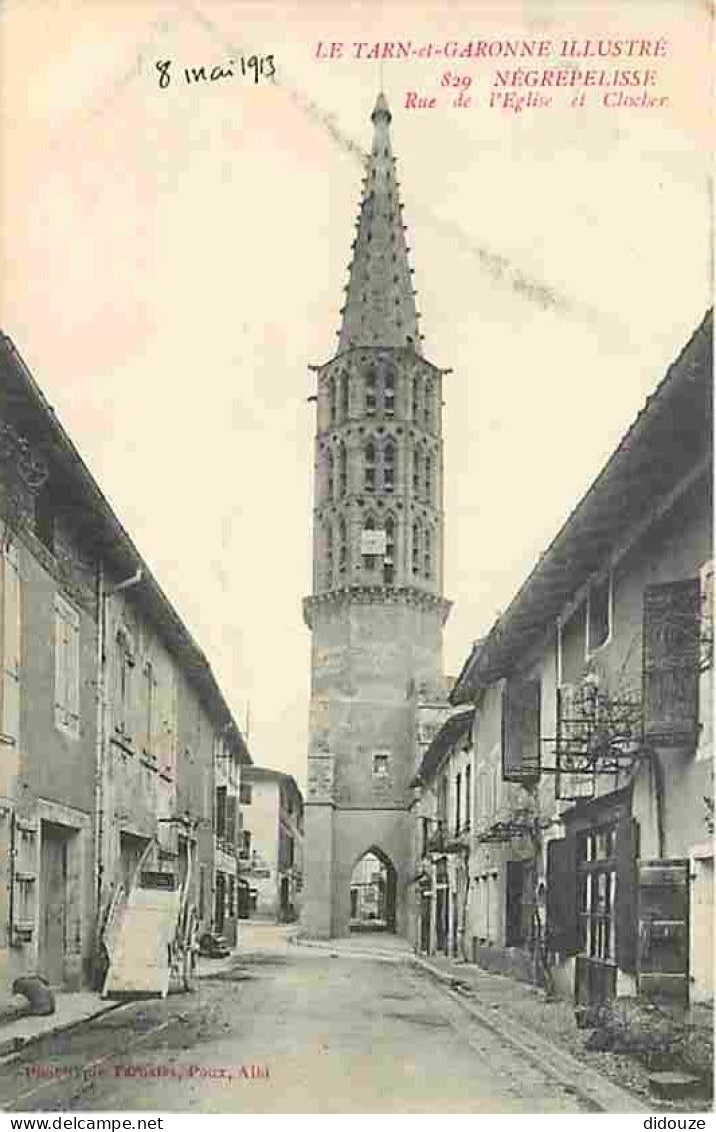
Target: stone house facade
<point>110,711</point>
<point>590,855</point>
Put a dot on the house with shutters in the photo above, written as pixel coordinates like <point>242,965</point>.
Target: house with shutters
<point>591,850</point>
<point>272,830</point>
<point>112,724</point>
<point>442,810</point>
<point>231,759</point>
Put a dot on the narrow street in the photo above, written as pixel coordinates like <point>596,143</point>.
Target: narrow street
<point>283,1029</point>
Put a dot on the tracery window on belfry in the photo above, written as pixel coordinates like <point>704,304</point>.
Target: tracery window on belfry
<point>342,470</point>
<point>415,555</point>
<point>370,392</point>
<point>389,465</point>
<point>389,559</point>
<point>428,552</point>
<point>389,392</point>
<point>328,534</point>
<point>342,547</point>
<point>369,560</point>
<point>369,466</point>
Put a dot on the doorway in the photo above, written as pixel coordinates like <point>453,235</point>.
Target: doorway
<point>372,894</point>
<point>52,943</point>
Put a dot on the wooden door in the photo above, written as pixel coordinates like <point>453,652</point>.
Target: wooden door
<point>53,904</point>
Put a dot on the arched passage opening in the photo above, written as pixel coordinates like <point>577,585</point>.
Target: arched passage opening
<point>373,888</point>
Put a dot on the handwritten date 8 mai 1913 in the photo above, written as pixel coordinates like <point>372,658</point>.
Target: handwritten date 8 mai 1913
<point>251,67</point>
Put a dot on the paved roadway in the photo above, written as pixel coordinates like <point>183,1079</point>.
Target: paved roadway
<point>288,1029</point>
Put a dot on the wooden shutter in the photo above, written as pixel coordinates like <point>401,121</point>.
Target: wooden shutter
<point>663,912</point>
<point>231,819</point>
<point>671,654</point>
<point>562,895</point>
<point>521,731</point>
<point>11,645</point>
<point>627,852</point>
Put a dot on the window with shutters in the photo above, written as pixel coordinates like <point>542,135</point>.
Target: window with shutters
<point>521,739</point>
<point>67,668</point>
<point>123,671</point>
<point>599,614</point>
<point>468,798</point>
<point>220,812</point>
<point>672,662</point>
<point>11,639</point>
<point>149,705</point>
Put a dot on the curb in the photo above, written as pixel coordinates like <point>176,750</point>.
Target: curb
<point>578,1078</point>
<point>11,1048</point>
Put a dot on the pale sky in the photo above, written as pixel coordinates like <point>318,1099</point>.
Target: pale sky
<point>173,260</point>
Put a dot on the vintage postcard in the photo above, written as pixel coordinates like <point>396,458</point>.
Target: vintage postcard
<point>356,564</point>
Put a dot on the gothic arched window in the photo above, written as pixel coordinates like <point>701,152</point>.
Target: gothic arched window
<point>369,559</point>
<point>389,559</point>
<point>329,474</point>
<point>342,470</point>
<point>342,547</point>
<point>370,393</point>
<point>428,552</point>
<point>428,477</point>
<point>389,393</point>
<point>416,548</point>
<point>369,467</point>
<point>389,465</point>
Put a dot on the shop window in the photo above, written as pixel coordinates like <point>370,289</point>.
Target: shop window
<point>599,614</point>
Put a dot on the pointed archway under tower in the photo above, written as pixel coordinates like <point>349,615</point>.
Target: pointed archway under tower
<point>376,611</point>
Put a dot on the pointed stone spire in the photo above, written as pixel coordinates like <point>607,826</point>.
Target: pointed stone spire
<point>380,302</point>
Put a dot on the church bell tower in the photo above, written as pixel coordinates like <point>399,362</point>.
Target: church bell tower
<point>376,611</point>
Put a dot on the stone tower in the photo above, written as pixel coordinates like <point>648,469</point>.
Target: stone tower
<point>376,611</point>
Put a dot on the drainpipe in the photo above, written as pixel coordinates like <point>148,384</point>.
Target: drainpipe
<point>102,594</point>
